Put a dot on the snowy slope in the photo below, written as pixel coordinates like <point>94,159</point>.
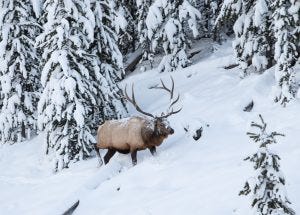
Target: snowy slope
<point>187,176</point>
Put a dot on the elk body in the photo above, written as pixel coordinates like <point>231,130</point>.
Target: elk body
<point>132,134</point>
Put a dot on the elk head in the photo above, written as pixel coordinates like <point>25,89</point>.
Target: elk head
<point>161,124</point>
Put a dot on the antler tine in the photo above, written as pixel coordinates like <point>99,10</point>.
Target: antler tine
<point>132,95</point>
<point>175,101</point>
<point>133,102</point>
<point>171,113</point>
<point>126,95</point>
<point>164,87</point>
<point>172,89</point>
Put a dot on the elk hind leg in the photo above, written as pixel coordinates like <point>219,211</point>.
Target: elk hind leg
<point>109,155</point>
<point>98,155</point>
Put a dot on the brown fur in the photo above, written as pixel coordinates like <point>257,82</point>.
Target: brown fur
<point>131,135</point>
<point>151,138</point>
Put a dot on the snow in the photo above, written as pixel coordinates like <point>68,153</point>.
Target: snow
<point>186,176</point>
<point>187,10</point>
<point>36,4</point>
<point>261,9</point>
<point>171,30</point>
<point>120,21</point>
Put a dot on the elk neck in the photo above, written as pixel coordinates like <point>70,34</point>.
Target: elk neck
<point>155,138</point>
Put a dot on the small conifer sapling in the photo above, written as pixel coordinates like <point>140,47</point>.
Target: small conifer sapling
<point>267,188</point>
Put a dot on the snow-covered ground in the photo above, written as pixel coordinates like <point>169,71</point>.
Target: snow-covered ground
<point>187,176</point>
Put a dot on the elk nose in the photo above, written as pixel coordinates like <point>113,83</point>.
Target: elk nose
<point>171,131</point>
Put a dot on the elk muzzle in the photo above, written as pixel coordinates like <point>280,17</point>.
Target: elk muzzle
<point>171,130</point>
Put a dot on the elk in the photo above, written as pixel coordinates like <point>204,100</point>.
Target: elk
<point>135,133</point>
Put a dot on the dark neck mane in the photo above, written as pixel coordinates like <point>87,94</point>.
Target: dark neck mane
<point>152,137</point>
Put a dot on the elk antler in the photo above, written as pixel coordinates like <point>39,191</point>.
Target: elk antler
<point>163,87</point>
<point>170,113</point>
<point>133,102</point>
<point>173,102</point>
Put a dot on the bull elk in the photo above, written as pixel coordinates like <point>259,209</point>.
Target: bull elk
<point>135,133</point>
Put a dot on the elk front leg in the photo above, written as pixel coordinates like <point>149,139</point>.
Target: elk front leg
<point>108,155</point>
<point>133,157</point>
<point>153,150</point>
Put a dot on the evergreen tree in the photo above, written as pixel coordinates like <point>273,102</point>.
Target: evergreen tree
<point>213,9</point>
<point>286,53</point>
<point>165,22</point>
<point>68,98</point>
<point>268,193</point>
<point>253,39</point>
<point>263,37</point>
<point>142,12</point>
<point>19,75</point>
<point>209,10</point>
<point>262,26</point>
<point>124,23</point>
<point>108,65</point>
<point>294,10</point>
<point>228,14</point>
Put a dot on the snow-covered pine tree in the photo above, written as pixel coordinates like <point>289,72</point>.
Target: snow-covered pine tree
<point>68,99</point>
<point>209,10</point>
<point>19,74</point>
<point>267,188</point>
<point>253,42</point>
<point>213,9</point>
<point>144,42</point>
<point>108,65</point>
<point>286,54</point>
<point>253,38</point>
<point>131,7</point>
<point>263,37</point>
<point>227,15</point>
<point>164,22</point>
<point>294,11</point>
<point>124,22</point>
